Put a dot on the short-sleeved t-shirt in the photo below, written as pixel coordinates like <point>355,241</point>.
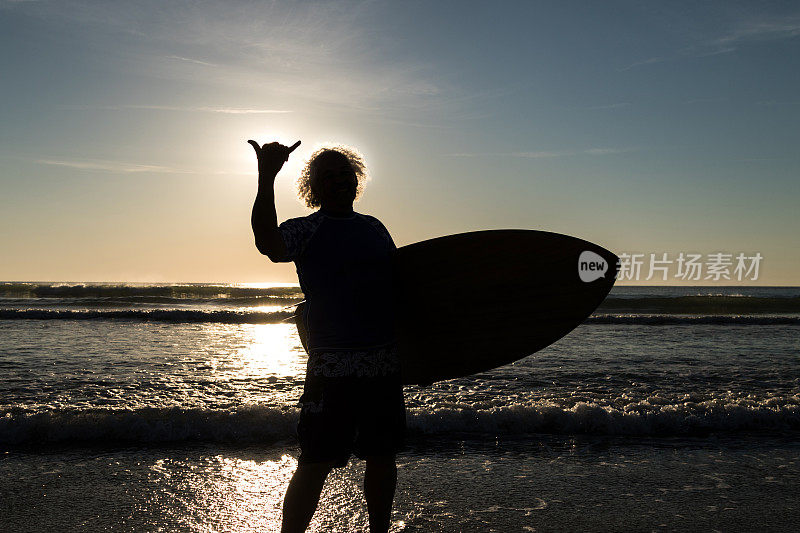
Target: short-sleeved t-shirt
<point>345,268</point>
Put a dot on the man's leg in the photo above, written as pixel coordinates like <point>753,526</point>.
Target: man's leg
<point>380,480</point>
<point>302,496</point>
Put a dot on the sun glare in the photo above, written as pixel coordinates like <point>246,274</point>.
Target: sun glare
<point>229,493</point>
<point>273,349</point>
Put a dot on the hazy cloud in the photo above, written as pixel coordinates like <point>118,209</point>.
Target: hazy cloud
<point>206,109</point>
<point>772,103</point>
<point>318,52</point>
<point>190,60</point>
<point>762,30</point>
<point>746,32</point>
<point>648,61</point>
<point>113,166</point>
<point>714,29</point>
<point>545,154</point>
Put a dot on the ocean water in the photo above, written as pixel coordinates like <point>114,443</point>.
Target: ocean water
<point>136,407</point>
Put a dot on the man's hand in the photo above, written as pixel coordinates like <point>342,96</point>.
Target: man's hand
<point>271,157</point>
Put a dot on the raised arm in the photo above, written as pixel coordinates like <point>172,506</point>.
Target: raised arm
<point>264,219</point>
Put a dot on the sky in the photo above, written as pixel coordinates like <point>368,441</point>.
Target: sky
<point>645,127</point>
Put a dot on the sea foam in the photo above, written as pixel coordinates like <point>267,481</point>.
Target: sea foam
<point>263,424</point>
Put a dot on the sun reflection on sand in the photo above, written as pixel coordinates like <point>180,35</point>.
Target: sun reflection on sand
<point>228,493</point>
<point>236,492</point>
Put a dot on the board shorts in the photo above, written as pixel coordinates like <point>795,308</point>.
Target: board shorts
<point>352,403</point>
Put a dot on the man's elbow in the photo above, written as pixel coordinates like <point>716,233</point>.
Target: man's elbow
<point>271,253</point>
<point>264,249</point>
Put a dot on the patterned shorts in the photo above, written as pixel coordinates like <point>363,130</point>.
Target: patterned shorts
<point>352,403</point>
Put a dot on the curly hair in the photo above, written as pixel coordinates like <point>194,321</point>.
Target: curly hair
<point>307,190</point>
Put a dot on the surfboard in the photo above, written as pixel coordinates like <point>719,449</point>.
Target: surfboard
<point>471,302</point>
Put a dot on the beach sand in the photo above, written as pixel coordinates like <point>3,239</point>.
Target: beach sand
<point>531,483</point>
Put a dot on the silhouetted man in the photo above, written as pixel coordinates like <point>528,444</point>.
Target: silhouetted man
<point>352,401</point>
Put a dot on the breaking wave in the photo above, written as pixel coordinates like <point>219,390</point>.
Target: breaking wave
<point>179,291</point>
<point>262,424</point>
<point>713,304</point>
<point>228,303</point>
<point>674,320</point>
<point>151,315</point>
<point>260,317</point>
